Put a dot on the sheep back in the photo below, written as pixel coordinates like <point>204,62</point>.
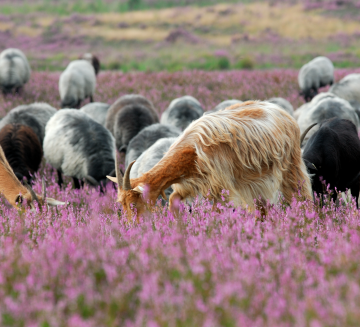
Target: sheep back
<point>129,121</point>
<point>97,111</point>
<point>284,104</point>
<point>14,69</point>
<point>122,102</point>
<point>146,138</point>
<point>77,82</point>
<point>35,115</point>
<point>182,111</point>
<point>79,146</point>
<point>22,149</point>
<point>317,73</point>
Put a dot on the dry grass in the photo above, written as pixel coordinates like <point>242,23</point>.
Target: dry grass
<point>223,22</point>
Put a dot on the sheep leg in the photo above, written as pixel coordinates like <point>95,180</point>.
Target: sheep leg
<point>76,183</point>
<point>355,189</point>
<point>19,90</point>
<point>60,180</point>
<point>174,201</point>
<point>295,174</point>
<point>91,98</point>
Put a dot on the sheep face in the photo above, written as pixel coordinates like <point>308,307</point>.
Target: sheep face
<point>132,202</point>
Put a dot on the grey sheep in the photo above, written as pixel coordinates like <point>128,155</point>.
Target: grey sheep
<point>14,70</point>
<point>35,115</point>
<point>325,109</point>
<point>284,104</point>
<point>306,106</point>
<point>77,82</point>
<point>78,146</point>
<point>146,138</point>
<point>151,157</point>
<point>128,116</point>
<point>97,111</point>
<point>317,73</point>
<point>182,111</point>
<point>348,88</point>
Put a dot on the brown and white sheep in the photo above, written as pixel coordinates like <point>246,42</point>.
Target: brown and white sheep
<point>250,149</point>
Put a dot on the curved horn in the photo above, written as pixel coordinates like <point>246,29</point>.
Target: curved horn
<point>33,194</point>
<point>43,189</point>
<point>117,172</point>
<point>126,184</point>
<point>302,137</point>
<point>91,180</point>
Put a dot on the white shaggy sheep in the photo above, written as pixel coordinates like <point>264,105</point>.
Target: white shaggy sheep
<point>317,73</point>
<point>97,111</point>
<point>77,82</point>
<point>14,70</point>
<point>78,146</point>
<point>35,115</point>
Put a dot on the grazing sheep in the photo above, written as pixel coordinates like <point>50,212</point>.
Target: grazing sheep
<point>79,147</point>
<point>332,154</point>
<point>324,109</point>
<point>146,138</point>
<point>15,192</point>
<point>251,150</point>
<point>22,149</point>
<point>77,82</point>
<point>317,73</point>
<point>93,60</point>
<point>97,111</point>
<point>128,116</point>
<point>284,104</point>
<point>150,158</point>
<point>182,111</point>
<point>14,70</point>
<point>35,115</point>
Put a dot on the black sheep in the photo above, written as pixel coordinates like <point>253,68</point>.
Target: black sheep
<point>332,154</point>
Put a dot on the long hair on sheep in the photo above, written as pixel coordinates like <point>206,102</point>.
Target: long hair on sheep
<point>250,149</point>
<point>22,149</point>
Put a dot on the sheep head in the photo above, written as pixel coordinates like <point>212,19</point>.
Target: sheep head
<point>30,197</point>
<point>131,199</point>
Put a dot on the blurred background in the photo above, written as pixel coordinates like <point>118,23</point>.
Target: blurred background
<point>176,35</point>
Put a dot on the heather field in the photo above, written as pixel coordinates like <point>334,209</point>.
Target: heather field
<point>83,264</point>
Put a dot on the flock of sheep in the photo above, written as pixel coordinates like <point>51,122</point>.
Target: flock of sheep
<point>252,149</point>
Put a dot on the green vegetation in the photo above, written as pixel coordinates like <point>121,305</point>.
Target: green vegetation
<point>65,7</point>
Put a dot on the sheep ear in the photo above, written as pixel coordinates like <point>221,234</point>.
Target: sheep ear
<point>138,189</point>
<point>113,179</point>
<point>53,203</point>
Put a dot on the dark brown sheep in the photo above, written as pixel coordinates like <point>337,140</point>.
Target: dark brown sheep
<point>22,149</point>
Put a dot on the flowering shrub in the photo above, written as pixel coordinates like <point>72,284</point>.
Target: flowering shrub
<point>210,88</point>
<point>83,264</point>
